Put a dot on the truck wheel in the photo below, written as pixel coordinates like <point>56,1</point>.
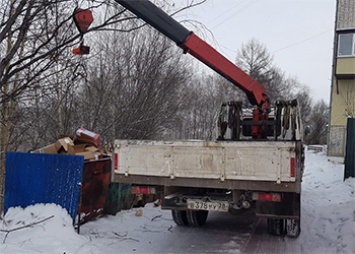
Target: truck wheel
<point>293,228</point>
<point>197,218</point>
<point>179,217</point>
<point>275,226</point>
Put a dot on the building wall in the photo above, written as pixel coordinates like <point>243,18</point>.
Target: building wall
<point>345,14</point>
<point>336,144</point>
<point>343,78</point>
<point>343,101</point>
<point>343,104</point>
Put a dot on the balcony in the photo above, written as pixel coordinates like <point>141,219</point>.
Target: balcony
<point>345,68</point>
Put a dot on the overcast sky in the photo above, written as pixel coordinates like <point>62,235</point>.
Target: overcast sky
<point>298,33</point>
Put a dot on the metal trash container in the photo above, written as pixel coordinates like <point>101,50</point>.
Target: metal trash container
<point>119,198</point>
<point>95,182</point>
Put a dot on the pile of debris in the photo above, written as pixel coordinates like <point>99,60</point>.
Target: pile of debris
<point>84,142</point>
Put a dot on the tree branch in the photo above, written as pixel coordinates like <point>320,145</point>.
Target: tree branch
<point>8,231</point>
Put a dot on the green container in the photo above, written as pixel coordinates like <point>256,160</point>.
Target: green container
<point>118,198</point>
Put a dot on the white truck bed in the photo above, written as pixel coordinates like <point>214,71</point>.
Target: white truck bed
<point>243,160</point>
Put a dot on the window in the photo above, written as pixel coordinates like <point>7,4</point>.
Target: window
<point>346,44</point>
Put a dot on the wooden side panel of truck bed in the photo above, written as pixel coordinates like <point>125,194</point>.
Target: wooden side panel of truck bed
<point>223,160</point>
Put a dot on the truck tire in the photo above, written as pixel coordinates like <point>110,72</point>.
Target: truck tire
<point>275,226</point>
<point>196,218</point>
<point>293,228</point>
<point>179,217</point>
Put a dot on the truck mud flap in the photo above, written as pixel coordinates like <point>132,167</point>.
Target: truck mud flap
<point>288,208</point>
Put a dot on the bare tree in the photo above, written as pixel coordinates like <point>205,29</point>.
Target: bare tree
<point>134,90</point>
<point>203,98</point>
<point>254,58</point>
<point>201,108</point>
<point>305,103</point>
<point>318,122</point>
<point>281,87</point>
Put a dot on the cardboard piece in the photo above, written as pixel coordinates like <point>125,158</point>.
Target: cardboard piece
<point>88,151</point>
<point>50,149</point>
<point>92,149</point>
<point>65,145</point>
<point>87,155</point>
<point>79,148</point>
<point>86,136</point>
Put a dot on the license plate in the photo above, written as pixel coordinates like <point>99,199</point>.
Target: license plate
<point>195,204</point>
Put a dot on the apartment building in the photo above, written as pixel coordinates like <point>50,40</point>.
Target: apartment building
<point>342,101</point>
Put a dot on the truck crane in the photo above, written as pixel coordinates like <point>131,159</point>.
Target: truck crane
<point>262,173</point>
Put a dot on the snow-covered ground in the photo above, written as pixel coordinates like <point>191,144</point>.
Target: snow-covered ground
<point>328,221</point>
<point>328,207</point>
